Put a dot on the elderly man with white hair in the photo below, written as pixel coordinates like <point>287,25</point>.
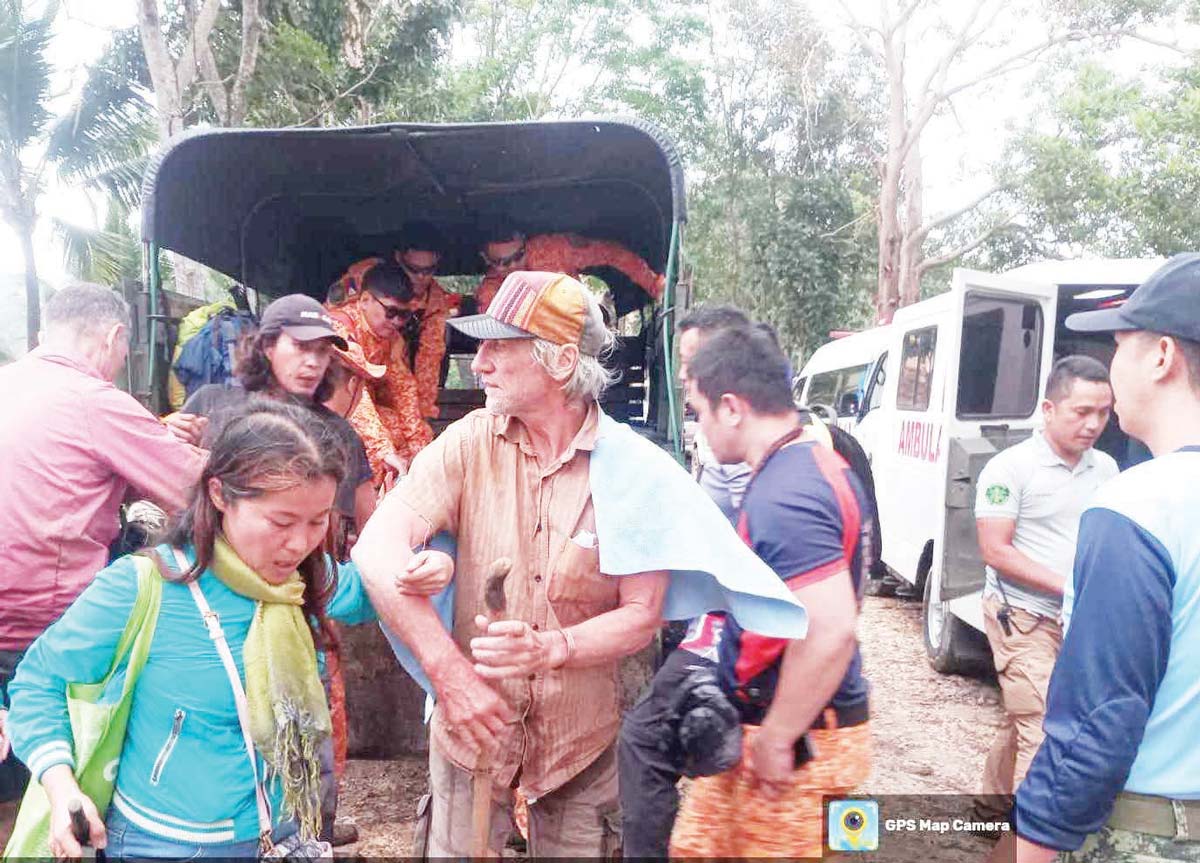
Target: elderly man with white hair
<point>605,535</point>
<point>72,446</point>
<point>534,695</point>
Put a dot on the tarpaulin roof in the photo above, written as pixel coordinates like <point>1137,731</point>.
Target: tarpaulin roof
<point>285,210</point>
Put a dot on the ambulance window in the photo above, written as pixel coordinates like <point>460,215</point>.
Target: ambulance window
<point>1001,357</point>
<point>798,390</point>
<point>823,389</point>
<point>877,384</point>
<point>850,390</point>
<point>840,390</point>
<point>916,370</point>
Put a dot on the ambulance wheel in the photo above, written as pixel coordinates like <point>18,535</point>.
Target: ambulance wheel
<point>948,641</point>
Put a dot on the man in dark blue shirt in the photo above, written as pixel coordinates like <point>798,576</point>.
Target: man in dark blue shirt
<point>805,515</point>
<point>1118,774</point>
<point>681,727</point>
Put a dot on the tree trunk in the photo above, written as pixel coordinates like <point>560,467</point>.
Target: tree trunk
<point>887,298</point>
<point>914,236</point>
<point>168,99</point>
<point>354,34</point>
<point>33,293</point>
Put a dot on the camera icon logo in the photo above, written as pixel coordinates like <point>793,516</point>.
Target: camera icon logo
<point>853,825</point>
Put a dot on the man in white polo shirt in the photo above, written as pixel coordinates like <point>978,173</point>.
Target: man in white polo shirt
<point>1029,502</point>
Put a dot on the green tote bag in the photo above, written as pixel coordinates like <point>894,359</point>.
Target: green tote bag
<point>99,713</point>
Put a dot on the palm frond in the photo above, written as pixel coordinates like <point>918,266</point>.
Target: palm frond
<point>24,74</point>
<point>103,141</point>
<point>106,256</point>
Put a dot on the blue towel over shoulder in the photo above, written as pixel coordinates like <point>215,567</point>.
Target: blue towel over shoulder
<point>652,516</point>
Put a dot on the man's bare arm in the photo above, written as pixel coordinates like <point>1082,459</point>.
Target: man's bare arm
<point>382,554</point>
<point>626,629</point>
<point>996,546</point>
<point>813,667</point>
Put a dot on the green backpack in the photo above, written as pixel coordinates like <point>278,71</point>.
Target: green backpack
<point>99,714</point>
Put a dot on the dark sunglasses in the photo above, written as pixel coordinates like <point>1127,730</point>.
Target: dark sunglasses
<point>419,271</point>
<point>393,313</point>
<point>506,260</point>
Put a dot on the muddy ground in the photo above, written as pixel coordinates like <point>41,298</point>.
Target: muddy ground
<point>931,736</point>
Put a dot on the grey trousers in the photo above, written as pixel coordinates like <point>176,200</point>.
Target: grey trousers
<point>582,819</point>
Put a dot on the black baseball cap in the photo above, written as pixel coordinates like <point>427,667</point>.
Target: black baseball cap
<point>1168,302</point>
<point>302,318</point>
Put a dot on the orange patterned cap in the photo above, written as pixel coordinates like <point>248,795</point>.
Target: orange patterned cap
<point>550,306</point>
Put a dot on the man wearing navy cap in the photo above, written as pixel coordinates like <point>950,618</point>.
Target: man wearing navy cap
<point>1118,775</point>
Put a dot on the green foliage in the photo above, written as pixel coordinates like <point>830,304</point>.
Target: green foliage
<point>1119,174</point>
<point>1100,15</point>
<point>104,141</point>
<point>532,59</point>
<point>788,253</point>
<point>322,20</point>
<point>1009,243</point>
<point>782,201</point>
<point>303,76</point>
<point>24,76</point>
<point>105,256</point>
<point>296,77</point>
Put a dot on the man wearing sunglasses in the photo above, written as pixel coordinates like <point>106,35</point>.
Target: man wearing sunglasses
<point>507,250</point>
<point>419,255</point>
<point>378,309</point>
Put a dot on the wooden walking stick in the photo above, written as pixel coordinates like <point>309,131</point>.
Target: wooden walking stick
<point>481,777</point>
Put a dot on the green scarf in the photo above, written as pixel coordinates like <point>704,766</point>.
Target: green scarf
<point>289,717</point>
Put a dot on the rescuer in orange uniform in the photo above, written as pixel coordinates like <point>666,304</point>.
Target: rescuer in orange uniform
<point>509,250</point>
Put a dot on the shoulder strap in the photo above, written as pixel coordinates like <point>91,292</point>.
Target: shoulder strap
<point>213,622</point>
<point>135,639</point>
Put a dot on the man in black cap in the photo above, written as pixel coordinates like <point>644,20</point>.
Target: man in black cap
<point>1118,775</point>
<point>287,358</point>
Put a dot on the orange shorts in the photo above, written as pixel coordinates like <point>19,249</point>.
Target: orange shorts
<point>722,816</point>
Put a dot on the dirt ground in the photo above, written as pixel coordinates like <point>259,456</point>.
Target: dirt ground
<point>931,735</point>
<point>931,731</point>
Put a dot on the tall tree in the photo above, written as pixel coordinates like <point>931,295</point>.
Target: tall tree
<point>932,54</point>
<point>175,76</point>
<point>1112,167</point>
<point>24,120</point>
<point>780,201</point>
<point>181,63</point>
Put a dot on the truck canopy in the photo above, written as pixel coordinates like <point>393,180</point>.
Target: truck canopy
<point>287,210</point>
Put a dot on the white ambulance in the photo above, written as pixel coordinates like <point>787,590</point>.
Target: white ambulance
<point>958,378</point>
<point>833,381</point>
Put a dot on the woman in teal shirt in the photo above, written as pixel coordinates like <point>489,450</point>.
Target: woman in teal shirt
<point>254,539</point>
